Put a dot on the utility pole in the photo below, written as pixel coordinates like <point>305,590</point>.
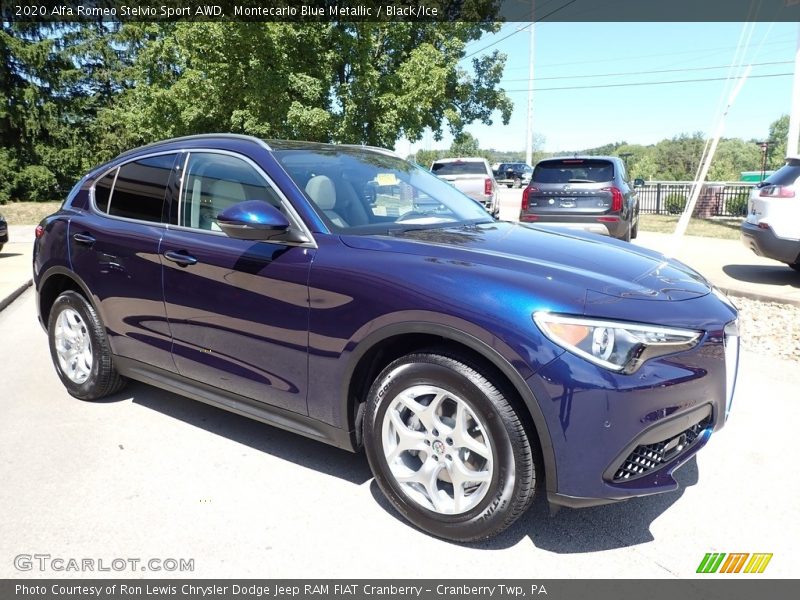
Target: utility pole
<point>794,115</point>
<point>529,144</point>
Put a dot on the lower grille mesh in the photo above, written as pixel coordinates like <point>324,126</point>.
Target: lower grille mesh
<point>644,459</point>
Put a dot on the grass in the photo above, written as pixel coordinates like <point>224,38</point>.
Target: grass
<point>27,213</point>
<point>724,229</point>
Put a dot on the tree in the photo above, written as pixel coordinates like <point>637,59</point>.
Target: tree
<point>778,138</point>
<point>352,82</point>
<point>732,157</point>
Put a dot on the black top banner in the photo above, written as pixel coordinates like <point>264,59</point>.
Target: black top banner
<point>402,10</point>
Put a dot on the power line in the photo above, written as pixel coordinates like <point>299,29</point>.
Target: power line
<point>515,32</point>
<point>778,62</point>
<point>603,60</point>
<point>614,85</point>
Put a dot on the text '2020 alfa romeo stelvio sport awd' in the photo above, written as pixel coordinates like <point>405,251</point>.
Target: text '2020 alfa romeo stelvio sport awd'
<point>352,297</point>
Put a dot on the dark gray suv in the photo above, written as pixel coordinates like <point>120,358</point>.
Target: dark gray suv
<point>592,193</point>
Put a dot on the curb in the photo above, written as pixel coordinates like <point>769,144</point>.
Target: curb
<point>760,297</point>
<point>15,294</point>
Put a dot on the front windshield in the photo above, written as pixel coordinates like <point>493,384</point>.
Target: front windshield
<point>358,191</point>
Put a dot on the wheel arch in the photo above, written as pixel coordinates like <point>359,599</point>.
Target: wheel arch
<point>55,281</point>
<point>383,346</point>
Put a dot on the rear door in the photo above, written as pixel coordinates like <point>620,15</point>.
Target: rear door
<point>572,187</point>
<point>114,248</point>
<point>238,310</point>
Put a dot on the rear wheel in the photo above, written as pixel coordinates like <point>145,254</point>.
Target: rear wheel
<point>635,230</point>
<point>447,448</point>
<point>79,349</point>
<point>626,237</point>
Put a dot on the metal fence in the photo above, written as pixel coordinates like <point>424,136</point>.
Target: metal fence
<point>717,199</point>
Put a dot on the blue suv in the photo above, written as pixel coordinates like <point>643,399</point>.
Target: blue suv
<point>347,295</point>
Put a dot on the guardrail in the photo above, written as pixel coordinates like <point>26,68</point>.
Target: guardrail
<point>717,198</point>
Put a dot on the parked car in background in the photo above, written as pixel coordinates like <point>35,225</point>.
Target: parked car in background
<point>592,193</point>
<point>772,226</point>
<point>3,231</point>
<point>513,174</point>
<point>473,177</point>
<point>476,361</point>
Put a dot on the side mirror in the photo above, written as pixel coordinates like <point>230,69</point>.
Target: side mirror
<point>252,220</point>
<point>638,182</point>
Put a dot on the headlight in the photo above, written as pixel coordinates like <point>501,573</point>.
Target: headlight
<point>614,345</point>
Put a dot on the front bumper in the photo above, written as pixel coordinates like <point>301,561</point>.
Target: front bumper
<point>765,243</point>
<point>621,436</point>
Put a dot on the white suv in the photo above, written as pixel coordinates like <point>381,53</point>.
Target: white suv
<point>772,227</point>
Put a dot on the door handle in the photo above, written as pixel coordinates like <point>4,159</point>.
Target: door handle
<point>84,238</point>
<point>181,258</point>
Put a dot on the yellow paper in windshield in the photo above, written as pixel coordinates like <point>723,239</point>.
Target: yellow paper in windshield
<point>386,179</point>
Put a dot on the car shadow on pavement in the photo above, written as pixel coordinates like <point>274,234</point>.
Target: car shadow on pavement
<point>768,275</point>
<point>9,254</point>
<point>573,531</point>
<point>259,436</point>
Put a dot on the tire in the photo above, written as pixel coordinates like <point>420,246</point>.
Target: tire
<point>1,247</point>
<point>628,234</point>
<point>490,443</point>
<point>509,185</point>
<point>88,373</point>
<point>635,230</point>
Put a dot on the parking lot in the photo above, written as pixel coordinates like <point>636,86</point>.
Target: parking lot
<point>149,474</point>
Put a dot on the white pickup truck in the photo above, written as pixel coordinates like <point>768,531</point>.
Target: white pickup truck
<point>471,176</point>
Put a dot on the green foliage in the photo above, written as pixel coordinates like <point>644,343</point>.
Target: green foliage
<point>736,204</point>
<point>425,158</point>
<point>675,203</point>
<point>8,169</point>
<point>778,138</point>
<point>36,183</point>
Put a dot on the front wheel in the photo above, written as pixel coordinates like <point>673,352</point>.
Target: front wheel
<point>79,348</point>
<point>447,448</point>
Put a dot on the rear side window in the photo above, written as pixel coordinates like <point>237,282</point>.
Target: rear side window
<point>786,175</point>
<point>458,168</point>
<point>573,171</point>
<point>102,191</point>
<point>140,188</point>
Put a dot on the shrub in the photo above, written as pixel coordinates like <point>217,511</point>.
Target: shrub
<point>736,205</point>
<point>36,183</point>
<point>675,203</point>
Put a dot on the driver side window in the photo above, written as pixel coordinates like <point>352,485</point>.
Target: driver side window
<point>213,182</point>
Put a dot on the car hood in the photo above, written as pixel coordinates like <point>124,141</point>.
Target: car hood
<point>595,263</point>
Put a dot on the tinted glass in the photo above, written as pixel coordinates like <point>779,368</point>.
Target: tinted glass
<point>459,168</point>
<point>786,175</point>
<point>356,190</point>
<point>573,171</point>
<point>140,188</point>
<point>213,182</point>
<point>102,191</point>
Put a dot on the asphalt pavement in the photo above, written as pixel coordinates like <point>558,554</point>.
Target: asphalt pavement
<point>148,474</point>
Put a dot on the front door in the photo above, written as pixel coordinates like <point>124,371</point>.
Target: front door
<point>238,310</point>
